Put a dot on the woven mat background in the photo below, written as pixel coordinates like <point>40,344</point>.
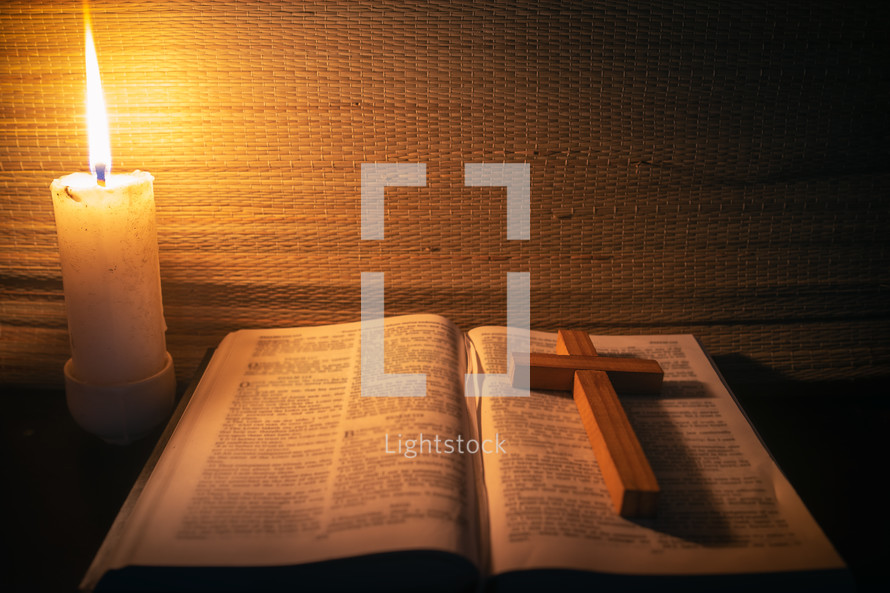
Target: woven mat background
<point>715,170</point>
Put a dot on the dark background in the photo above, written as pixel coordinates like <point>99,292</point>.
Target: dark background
<point>696,167</point>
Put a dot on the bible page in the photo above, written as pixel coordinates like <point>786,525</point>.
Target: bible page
<point>279,459</point>
<point>724,505</point>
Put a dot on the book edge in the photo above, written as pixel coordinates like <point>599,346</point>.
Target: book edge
<point>100,562</point>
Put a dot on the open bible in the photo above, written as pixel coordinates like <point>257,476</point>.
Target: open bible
<point>281,475</point>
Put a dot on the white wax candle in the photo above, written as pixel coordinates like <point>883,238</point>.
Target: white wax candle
<point>109,251</point>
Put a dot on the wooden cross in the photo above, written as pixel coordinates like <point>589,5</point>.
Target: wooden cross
<point>593,381</point>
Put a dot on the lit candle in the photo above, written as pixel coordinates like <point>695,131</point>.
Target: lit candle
<point>109,251</point>
<point>119,380</point>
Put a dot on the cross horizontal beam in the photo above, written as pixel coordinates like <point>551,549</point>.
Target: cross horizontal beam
<point>556,372</point>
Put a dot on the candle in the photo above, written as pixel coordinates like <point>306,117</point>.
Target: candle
<point>109,251</point>
<point>119,381</point>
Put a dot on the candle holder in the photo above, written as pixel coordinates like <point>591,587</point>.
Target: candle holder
<point>121,414</point>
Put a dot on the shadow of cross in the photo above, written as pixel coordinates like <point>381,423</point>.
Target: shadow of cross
<point>593,381</point>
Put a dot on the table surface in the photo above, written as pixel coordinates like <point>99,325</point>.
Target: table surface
<point>65,486</point>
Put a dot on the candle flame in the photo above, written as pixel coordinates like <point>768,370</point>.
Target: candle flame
<point>97,118</point>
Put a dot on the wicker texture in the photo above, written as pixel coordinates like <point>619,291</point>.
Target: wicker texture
<point>719,170</point>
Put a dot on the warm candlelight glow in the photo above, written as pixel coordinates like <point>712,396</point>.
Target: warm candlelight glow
<point>97,118</point>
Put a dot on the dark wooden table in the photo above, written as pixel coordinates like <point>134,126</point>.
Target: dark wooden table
<point>64,487</point>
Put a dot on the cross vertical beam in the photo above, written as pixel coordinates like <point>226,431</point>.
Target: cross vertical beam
<point>623,464</point>
<point>626,471</point>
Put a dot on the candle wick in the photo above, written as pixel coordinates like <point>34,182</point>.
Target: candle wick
<point>100,174</point>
